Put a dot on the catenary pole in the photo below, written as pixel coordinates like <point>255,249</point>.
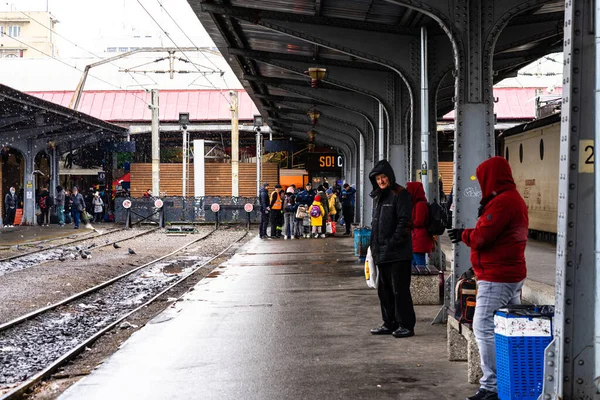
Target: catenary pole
<point>235,146</point>
<point>155,144</point>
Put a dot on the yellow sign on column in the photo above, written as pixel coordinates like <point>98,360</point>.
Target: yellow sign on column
<point>586,156</point>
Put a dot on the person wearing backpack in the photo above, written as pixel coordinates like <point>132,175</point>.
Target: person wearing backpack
<point>44,204</point>
<point>289,201</point>
<point>348,195</point>
<point>422,241</point>
<point>317,212</point>
<point>497,244</point>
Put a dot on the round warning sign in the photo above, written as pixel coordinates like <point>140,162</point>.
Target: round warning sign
<point>248,207</point>
<point>126,203</point>
<point>158,203</point>
<point>215,207</point>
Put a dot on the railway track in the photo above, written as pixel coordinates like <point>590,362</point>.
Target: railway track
<point>68,328</point>
<point>27,260</point>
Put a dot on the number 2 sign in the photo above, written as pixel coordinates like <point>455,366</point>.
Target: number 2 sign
<point>586,156</point>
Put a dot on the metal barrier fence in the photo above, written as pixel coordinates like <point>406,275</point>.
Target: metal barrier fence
<point>189,209</point>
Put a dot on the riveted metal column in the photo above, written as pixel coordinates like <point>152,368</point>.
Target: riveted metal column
<point>29,217</point>
<point>474,135</point>
<point>397,143</point>
<point>569,372</point>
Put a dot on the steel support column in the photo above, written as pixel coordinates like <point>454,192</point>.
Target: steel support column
<point>33,147</point>
<point>569,360</point>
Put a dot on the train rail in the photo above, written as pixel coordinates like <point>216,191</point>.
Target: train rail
<point>23,261</point>
<point>40,319</point>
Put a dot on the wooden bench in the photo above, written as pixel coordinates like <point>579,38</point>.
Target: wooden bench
<point>462,346</point>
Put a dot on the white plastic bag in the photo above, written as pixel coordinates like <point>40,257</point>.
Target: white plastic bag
<point>329,227</point>
<point>370,270</point>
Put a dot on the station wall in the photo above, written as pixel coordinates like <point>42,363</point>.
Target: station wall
<point>217,178</point>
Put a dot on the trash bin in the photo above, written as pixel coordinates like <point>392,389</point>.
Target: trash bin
<point>522,333</point>
<point>362,239</point>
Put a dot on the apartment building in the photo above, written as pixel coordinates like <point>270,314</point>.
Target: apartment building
<point>27,34</point>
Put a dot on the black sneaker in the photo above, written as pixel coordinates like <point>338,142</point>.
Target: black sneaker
<point>381,330</point>
<point>483,394</point>
<point>403,333</point>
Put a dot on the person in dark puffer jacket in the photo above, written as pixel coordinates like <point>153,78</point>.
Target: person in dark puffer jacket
<point>497,245</point>
<point>422,241</point>
<point>391,247</point>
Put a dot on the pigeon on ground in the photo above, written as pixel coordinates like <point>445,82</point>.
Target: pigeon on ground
<point>131,251</point>
<point>92,245</point>
<point>85,256</point>
<point>61,259</point>
<point>116,246</point>
<point>77,248</point>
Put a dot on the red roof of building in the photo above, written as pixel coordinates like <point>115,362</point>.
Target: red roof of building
<point>515,103</point>
<point>120,106</point>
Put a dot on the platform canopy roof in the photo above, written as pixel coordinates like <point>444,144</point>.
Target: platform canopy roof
<point>25,117</point>
<point>245,33</point>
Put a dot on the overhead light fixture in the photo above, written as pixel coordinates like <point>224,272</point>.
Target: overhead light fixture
<point>258,121</point>
<point>51,145</point>
<point>316,74</point>
<point>311,147</point>
<point>312,134</point>
<point>314,116</point>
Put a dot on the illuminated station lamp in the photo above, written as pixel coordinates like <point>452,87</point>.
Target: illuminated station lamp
<point>258,121</point>
<point>314,116</point>
<point>316,76</point>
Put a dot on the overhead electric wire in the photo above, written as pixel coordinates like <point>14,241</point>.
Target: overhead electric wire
<point>179,48</point>
<point>186,35</point>
<point>84,49</point>
<point>74,67</point>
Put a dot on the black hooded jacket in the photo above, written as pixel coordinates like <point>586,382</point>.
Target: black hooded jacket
<point>263,197</point>
<point>390,237</point>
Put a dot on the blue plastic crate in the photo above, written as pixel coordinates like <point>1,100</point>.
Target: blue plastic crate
<point>362,239</point>
<point>520,344</point>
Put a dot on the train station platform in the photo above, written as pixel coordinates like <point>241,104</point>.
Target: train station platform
<point>280,319</point>
<point>541,270</point>
<point>34,233</point>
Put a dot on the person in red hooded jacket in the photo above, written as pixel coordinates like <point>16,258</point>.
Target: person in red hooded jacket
<point>422,241</point>
<point>498,257</point>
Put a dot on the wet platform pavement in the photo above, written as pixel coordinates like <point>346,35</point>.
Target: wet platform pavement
<point>281,319</point>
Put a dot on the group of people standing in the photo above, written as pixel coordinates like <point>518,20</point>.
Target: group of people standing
<point>71,207</point>
<point>294,213</point>
<point>399,237</point>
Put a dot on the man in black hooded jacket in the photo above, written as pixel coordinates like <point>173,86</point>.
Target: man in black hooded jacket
<point>391,247</point>
<point>263,197</point>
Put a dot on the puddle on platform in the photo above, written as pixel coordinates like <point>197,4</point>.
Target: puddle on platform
<point>214,274</point>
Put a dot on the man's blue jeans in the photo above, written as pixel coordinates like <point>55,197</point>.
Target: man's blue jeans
<point>490,297</point>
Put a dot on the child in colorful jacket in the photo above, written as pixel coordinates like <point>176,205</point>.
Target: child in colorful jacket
<point>316,217</point>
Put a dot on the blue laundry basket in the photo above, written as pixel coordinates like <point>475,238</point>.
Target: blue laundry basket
<point>521,334</point>
<point>362,239</point>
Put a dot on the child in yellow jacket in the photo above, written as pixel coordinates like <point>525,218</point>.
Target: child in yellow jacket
<point>316,218</point>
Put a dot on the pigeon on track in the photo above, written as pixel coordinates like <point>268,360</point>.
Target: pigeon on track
<point>85,256</point>
<point>116,246</point>
<point>61,259</point>
<point>131,251</point>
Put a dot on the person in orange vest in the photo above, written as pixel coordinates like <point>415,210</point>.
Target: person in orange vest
<point>276,213</point>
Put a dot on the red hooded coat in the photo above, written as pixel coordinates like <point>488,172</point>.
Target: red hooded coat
<point>422,242</point>
<point>498,241</point>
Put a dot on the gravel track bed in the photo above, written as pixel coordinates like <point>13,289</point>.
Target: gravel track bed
<point>31,288</point>
<point>12,250</point>
<point>65,250</point>
<point>31,346</point>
